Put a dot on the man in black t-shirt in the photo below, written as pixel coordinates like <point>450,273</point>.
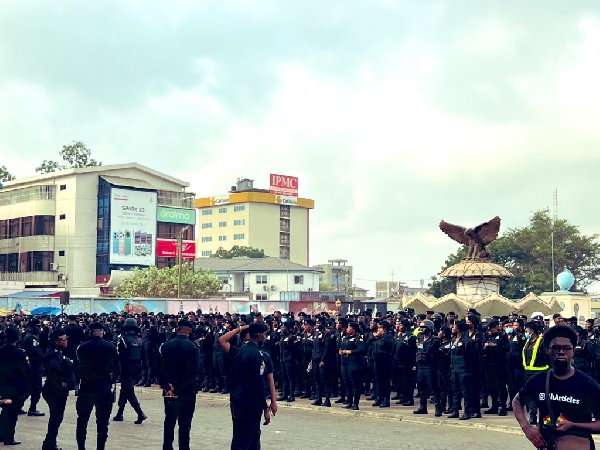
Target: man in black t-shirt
<point>573,397</point>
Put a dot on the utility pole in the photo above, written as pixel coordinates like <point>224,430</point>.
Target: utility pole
<point>179,258</point>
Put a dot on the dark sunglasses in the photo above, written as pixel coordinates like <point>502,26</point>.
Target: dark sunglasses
<point>558,348</point>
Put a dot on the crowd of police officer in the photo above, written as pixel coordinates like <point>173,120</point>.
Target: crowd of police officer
<point>463,367</point>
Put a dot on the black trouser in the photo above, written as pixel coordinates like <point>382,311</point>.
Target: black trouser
<point>427,385</point>
<point>246,428</point>
<point>371,378</point>
<point>220,370</point>
<point>515,380</point>
<point>404,376</point>
<point>180,411</point>
<point>207,369</point>
<point>10,413</point>
<point>306,377</point>
<point>102,401</point>
<point>461,385</point>
<point>476,389</point>
<point>495,384</point>
<point>289,378</point>
<point>56,404</point>
<point>383,380</point>
<point>127,394</point>
<point>444,382</point>
<point>35,383</point>
<point>352,372</point>
<point>339,378</point>
<point>531,406</point>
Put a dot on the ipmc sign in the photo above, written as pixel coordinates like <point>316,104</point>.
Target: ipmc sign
<point>284,185</point>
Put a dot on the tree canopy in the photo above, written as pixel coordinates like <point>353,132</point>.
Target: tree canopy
<point>152,282</point>
<point>73,155</point>
<point>527,253</point>
<point>238,250</point>
<point>5,175</point>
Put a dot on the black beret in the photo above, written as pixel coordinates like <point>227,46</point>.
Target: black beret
<point>55,334</point>
<point>429,312</point>
<point>12,333</point>
<point>96,326</point>
<point>492,324</point>
<point>72,317</point>
<point>257,328</point>
<point>185,323</point>
<point>33,323</point>
<point>385,325</point>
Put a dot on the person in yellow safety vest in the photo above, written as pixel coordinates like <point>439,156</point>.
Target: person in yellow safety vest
<point>534,360</point>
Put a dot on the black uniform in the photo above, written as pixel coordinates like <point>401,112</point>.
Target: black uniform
<point>323,365</point>
<point>516,371</point>
<point>427,350</point>
<point>99,365</point>
<point>248,396</point>
<point>288,345</point>
<point>14,385</point>
<point>444,377</point>
<point>219,364</point>
<point>60,379</point>
<point>33,351</point>
<point>305,377</point>
<point>495,372</point>
<point>404,362</point>
<point>130,348</point>
<point>383,349</point>
<point>461,369</point>
<point>180,363</point>
<point>76,335</point>
<point>353,366</point>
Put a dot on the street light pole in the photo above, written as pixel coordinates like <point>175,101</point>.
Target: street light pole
<point>179,258</point>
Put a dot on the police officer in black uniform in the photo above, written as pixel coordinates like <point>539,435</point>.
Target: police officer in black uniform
<point>288,346</point>
<point>307,342</point>
<point>427,349</point>
<point>75,336</point>
<point>60,379</point>
<point>14,384</point>
<point>383,348</point>
<point>99,364</point>
<point>219,365</point>
<point>130,347</point>
<point>33,351</point>
<point>180,363</point>
<point>444,378</point>
<point>462,356</point>
<point>352,352</point>
<point>323,362</point>
<point>404,362</point>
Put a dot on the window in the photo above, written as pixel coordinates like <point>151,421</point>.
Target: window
<point>172,230</point>
<point>284,252</point>
<point>261,279</point>
<point>207,225</point>
<point>260,297</point>
<point>39,261</point>
<point>27,226</point>
<point>222,210</point>
<point>161,263</point>
<point>239,222</point>
<point>284,239</point>
<point>237,237</point>
<point>206,252</point>
<point>284,211</point>
<point>207,239</point>
<point>207,212</point>
<point>27,195</point>
<point>298,279</point>
<point>61,253</point>
<point>222,238</point>
<point>284,225</point>
<point>63,187</point>
<point>239,208</point>
<point>44,225</point>
<point>62,217</point>
<point>222,224</point>
<point>14,228</point>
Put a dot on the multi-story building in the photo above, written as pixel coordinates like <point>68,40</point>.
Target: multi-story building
<point>77,228</point>
<point>252,217</point>
<point>337,275</point>
<point>395,289</point>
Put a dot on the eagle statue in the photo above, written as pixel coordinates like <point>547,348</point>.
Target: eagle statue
<point>475,238</point>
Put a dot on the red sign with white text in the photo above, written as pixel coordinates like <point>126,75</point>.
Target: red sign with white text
<point>284,185</point>
<point>167,248</point>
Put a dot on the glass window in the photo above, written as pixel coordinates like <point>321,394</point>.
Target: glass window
<point>260,297</point>
<point>207,239</point>
<point>222,210</point>
<point>27,226</point>
<point>44,225</point>
<point>206,252</point>
<point>238,237</point>
<point>15,228</point>
<point>239,222</point>
<point>222,224</point>
<point>298,279</point>
<point>239,208</point>
<point>222,238</point>
<point>261,279</point>
<point>13,262</point>
<point>63,187</point>
<point>207,212</point>
<point>61,253</point>
<point>62,217</point>
<point>3,229</point>
<point>207,225</point>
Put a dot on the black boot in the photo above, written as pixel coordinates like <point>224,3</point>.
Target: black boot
<point>492,410</point>
<point>119,416</point>
<point>421,410</point>
<point>141,416</point>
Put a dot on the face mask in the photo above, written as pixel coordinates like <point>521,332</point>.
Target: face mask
<point>527,336</point>
<point>510,330</point>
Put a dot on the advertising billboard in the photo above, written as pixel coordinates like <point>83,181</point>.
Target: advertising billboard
<point>167,248</point>
<point>283,185</point>
<point>132,227</point>
<point>176,215</point>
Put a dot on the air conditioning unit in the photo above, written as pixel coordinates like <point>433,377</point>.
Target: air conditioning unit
<point>53,267</point>
<point>273,288</point>
<point>265,288</point>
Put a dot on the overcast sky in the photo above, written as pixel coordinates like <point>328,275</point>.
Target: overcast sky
<point>393,114</point>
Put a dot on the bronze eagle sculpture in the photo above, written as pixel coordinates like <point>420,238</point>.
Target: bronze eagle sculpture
<point>475,238</point>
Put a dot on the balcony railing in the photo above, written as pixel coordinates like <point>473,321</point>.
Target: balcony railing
<point>30,278</point>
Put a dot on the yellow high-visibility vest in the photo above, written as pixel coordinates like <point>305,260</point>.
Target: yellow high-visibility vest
<point>536,347</point>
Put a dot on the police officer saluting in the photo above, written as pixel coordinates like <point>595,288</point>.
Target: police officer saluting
<point>130,348</point>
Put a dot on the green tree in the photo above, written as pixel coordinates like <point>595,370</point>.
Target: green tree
<point>5,175</point>
<point>527,253</point>
<point>151,282</point>
<point>74,155</point>
<point>237,251</point>
<point>324,287</point>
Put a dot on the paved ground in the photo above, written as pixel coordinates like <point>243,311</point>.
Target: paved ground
<point>298,424</point>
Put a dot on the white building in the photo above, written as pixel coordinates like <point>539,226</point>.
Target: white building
<point>73,229</point>
<point>264,278</point>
